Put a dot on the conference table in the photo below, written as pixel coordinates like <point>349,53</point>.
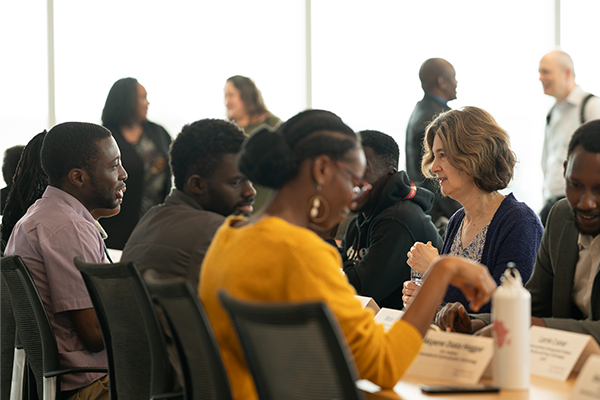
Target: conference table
<point>409,388</point>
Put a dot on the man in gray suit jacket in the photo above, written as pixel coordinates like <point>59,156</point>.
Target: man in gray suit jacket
<point>438,80</point>
<point>565,284</point>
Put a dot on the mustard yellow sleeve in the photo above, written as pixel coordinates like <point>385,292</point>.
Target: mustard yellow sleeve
<point>380,357</point>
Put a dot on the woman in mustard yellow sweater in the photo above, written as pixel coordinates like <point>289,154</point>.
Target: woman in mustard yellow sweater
<point>314,162</point>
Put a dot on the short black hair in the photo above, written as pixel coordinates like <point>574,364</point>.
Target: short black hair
<point>11,158</point>
<point>587,135</point>
<point>121,104</point>
<point>272,158</point>
<point>383,145</point>
<point>71,145</point>
<point>200,147</point>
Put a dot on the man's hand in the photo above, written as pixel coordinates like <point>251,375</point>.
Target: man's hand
<point>454,318</point>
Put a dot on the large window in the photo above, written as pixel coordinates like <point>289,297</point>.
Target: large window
<point>367,57</point>
<point>182,52</point>
<point>24,76</point>
<point>364,61</point>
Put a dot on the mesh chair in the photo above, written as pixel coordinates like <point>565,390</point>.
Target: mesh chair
<point>138,364</point>
<point>34,329</point>
<point>203,371</point>
<point>294,350</point>
<point>12,357</point>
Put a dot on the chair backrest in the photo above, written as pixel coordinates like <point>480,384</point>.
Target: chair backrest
<point>138,364</point>
<point>202,367</point>
<point>7,338</point>
<point>294,350</point>
<point>33,325</point>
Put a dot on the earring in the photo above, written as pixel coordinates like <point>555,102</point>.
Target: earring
<point>314,204</point>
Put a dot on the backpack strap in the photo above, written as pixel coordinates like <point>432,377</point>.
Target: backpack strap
<point>583,103</point>
<point>549,115</point>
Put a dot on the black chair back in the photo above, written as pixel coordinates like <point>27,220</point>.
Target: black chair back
<point>294,350</point>
<point>34,329</point>
<point>202,367</point>
<point>7,338</point>
<point>138,364</point>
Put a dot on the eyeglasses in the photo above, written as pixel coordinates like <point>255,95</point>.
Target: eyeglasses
<point>363,187</point>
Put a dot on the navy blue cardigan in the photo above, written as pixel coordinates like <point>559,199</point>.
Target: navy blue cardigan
<point>514,235</point>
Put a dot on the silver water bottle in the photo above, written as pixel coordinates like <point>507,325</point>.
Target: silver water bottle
<point>511,315</point>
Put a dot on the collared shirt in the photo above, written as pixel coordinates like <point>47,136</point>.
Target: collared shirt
<point>172,238</point>
<point>586,271</point>
<point>56,229</point>
<point>565,118</point>
<point>437,98</point>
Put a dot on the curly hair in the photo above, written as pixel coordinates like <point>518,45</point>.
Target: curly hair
<point>71,145</point>
<point>475,144</point>
<point>121,104</point>
<point>29,183</point>
<point>250,95</point>
<point>383,145</point>
<point>200,147</point>
<point>272,158</point>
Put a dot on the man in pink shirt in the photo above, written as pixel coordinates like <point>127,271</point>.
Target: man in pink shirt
<point>83,164</point>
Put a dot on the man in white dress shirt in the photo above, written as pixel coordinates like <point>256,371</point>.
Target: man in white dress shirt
<point>573,107</point>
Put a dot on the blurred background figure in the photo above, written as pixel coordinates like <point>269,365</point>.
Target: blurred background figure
<point>9,167</point>
<point>246,107</point>
<point>573,108</point>
<point>438,81</point>
<point>144,149</point>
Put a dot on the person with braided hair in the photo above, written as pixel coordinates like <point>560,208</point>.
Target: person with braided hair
<point>315,163</point>
<point>29,182</point>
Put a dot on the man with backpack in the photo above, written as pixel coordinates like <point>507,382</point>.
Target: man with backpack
<point>573,108</point>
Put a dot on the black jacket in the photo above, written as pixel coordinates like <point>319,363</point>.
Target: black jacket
<point>425,111</point>
<point>374,249</point>
<point>121,225</point>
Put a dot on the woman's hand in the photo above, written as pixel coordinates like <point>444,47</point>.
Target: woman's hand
<point>409,291</point>
<point>474,280</point>
<point>471,278</point>
<point>421,255</point>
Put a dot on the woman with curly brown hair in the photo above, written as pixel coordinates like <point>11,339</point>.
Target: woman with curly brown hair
<point>470,156</point>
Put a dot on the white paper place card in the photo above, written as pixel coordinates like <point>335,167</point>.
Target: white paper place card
<point>556,353</point>
<point>368,302</point>
<point>453,357</point>
<point>387,317</point>
<point>587,386</point>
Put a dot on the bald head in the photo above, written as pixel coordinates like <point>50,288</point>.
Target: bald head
<point>438,76</point>
<point>557,74</point>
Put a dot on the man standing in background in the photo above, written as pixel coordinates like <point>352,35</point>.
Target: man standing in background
<point>438,80</point>
<point>573,107</point>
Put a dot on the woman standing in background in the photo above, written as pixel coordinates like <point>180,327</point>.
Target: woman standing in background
<point>144,149</point>
<point>246,107</point>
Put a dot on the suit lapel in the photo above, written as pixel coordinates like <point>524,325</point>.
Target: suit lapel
<point>566,257</point>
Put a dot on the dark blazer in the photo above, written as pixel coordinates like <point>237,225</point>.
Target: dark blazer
<point>121,225</point>
<point>425,111</point>
<point>551,284</point>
